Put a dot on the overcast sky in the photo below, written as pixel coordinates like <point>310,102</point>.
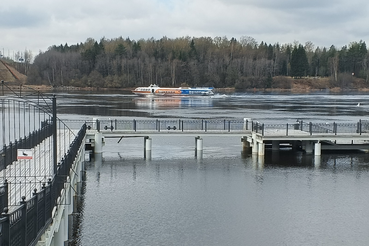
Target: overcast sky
<point>38,24</point>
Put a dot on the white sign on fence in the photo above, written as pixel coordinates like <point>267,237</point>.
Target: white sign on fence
<point>24,154</point>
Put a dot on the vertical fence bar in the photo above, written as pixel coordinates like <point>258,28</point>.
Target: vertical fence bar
<point>229,125</point>
<point>262,129</point>
<point>311,128</point>
<point>55,143</point>
<point>360,126</point>
<point>5,227</point>
<point>287,129</point>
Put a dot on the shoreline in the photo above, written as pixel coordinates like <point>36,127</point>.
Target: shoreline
<point>295,89</point>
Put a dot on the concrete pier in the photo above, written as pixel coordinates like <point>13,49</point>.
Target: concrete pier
<point>199,147</point>
<point>147,148</point>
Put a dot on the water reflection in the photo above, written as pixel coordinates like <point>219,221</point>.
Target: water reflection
<point>172,102</point>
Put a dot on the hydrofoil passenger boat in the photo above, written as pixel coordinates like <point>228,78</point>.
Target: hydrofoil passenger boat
<point>168,91</point>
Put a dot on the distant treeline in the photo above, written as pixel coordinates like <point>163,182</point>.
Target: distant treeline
<point>203,61</point>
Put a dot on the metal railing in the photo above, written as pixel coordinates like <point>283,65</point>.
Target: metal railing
<point>25,225</point>
<point>360,127</point>
<point>27,123</point>
<point>180,125</point>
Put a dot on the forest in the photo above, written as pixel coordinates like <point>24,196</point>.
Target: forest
<point>185,61</point>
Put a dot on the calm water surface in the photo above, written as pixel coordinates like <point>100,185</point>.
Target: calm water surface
<point>226,197</point>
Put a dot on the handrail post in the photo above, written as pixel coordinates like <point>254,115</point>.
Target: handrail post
<point>287,129</point>
<point>98,125</point>
<point>24,219</point>
<point>55,133</point>
<point>5,227</point>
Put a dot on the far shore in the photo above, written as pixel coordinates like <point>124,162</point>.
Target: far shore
<point>296,87</point>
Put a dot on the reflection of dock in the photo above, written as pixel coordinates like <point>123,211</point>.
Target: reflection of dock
<point>173,102</point>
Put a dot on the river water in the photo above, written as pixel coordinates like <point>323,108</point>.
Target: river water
<point>226,197</point>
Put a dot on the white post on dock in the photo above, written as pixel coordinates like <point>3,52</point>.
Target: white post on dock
<point>199,148</point>
<point>98,142</point>
<point>148,148</point>
<point>318,149</point>
<point>261,149</point>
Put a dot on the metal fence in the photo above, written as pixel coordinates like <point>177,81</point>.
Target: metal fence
<point>360,127</point>
<point>24,225</point>
<point>26,123</point>
<point>226,125</point>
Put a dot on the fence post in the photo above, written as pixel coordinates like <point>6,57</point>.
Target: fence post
<point>5,227</point>
<point>134,124</point>
<point>229,125</point>
<point>287,129</point>
<point>301,124</point>
<point>11,152</point>
<point>98,125</point>
<point>36,222</point>
<point>55,133</point>
<point>24,219</point>
<point>311,128</point>
<point>262,129</point>
<point>360,126</point>
<point>335,128</point>
<point>206,125</point>
<point>182,125</point>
